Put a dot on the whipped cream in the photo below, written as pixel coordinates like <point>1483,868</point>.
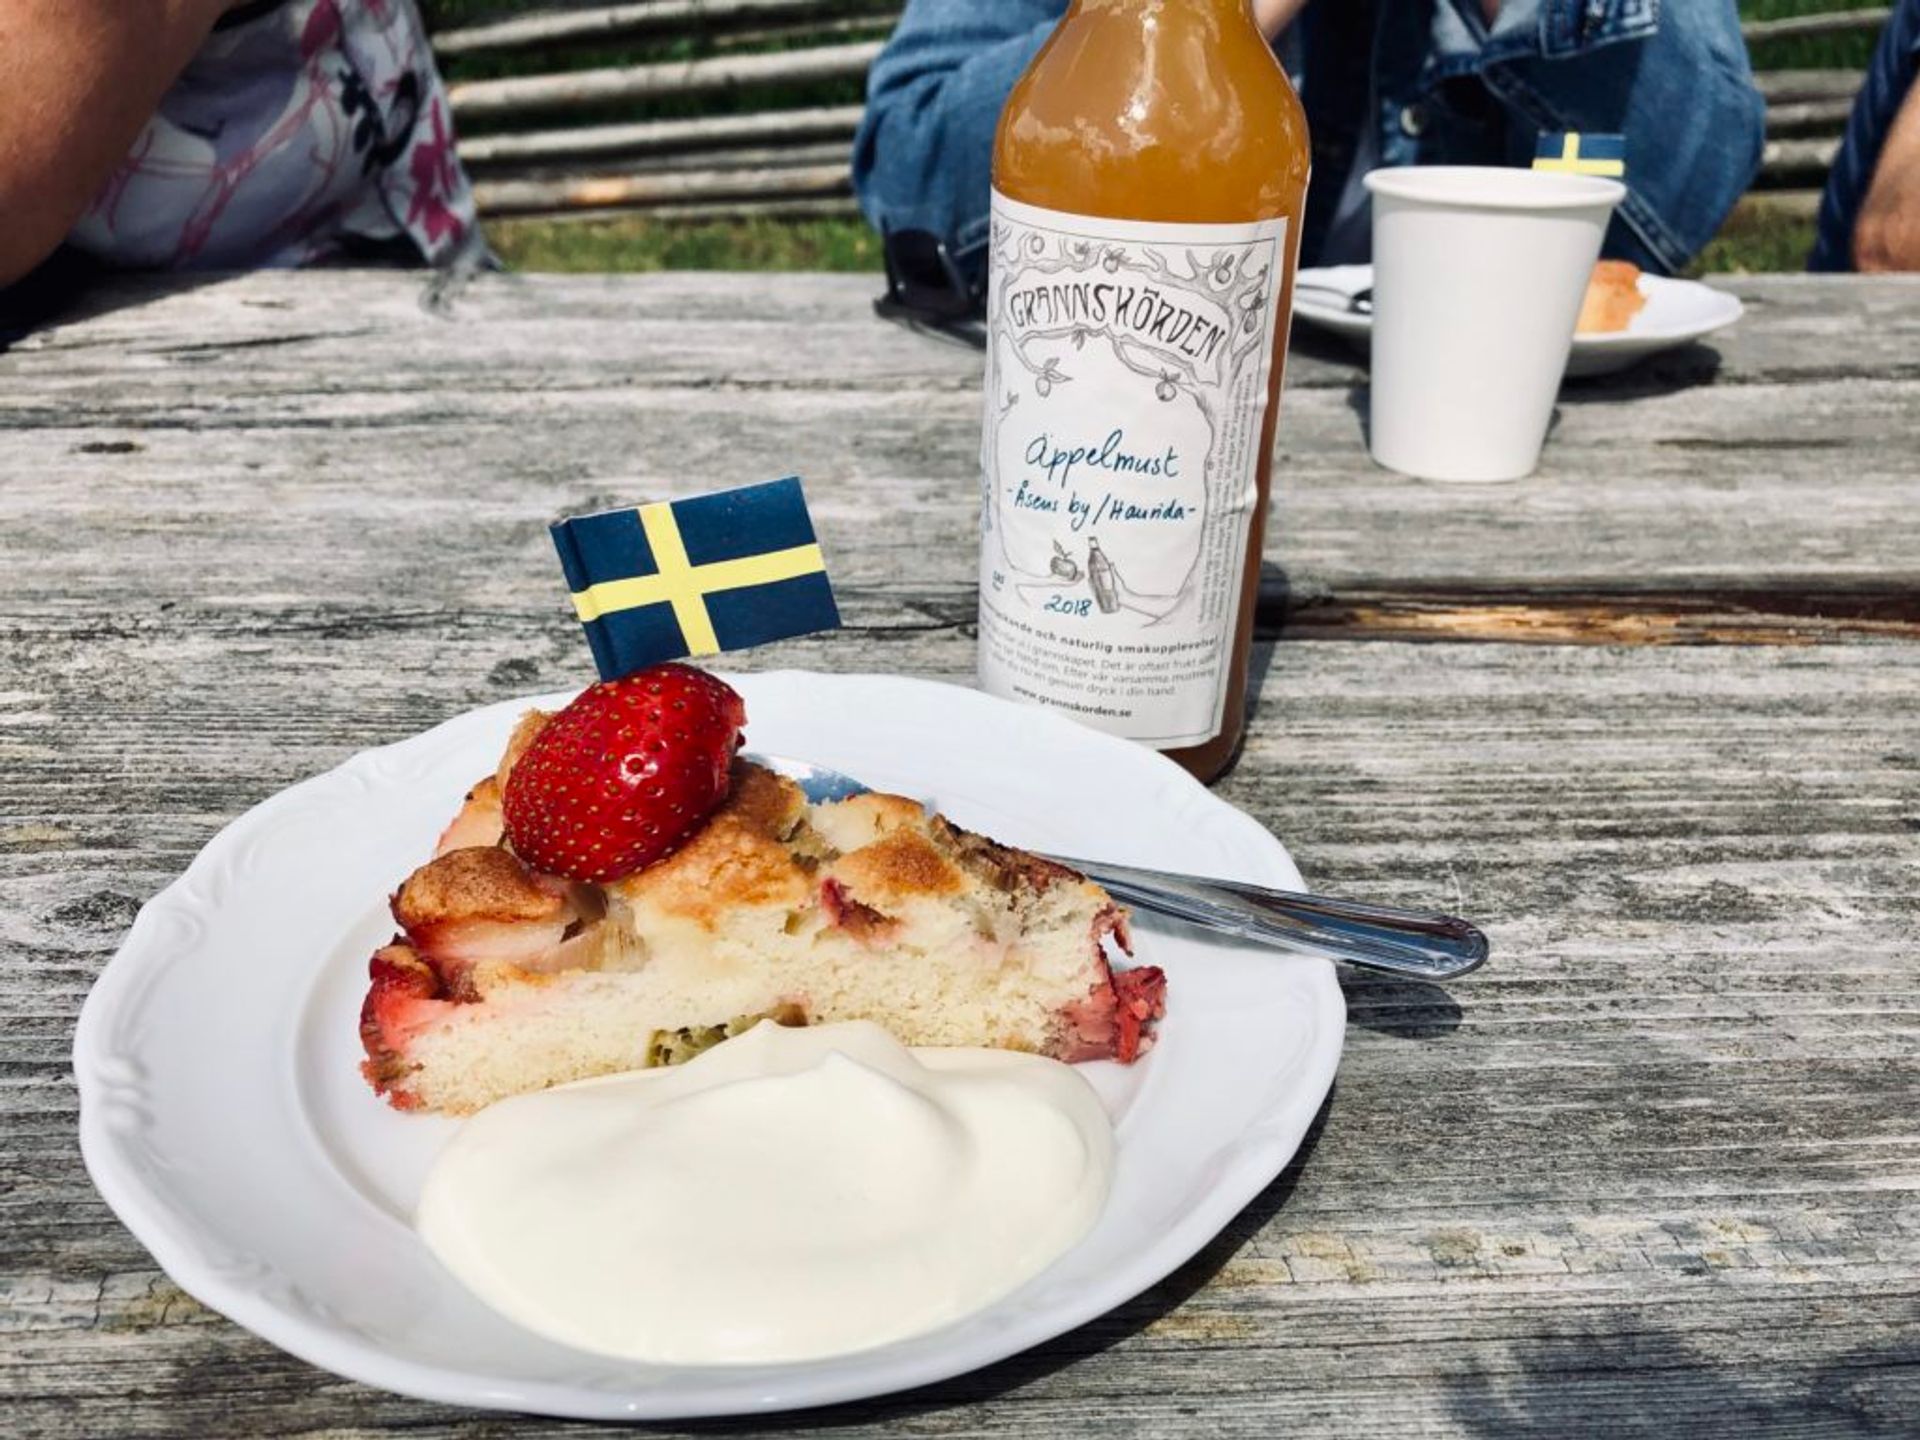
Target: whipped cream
<point>788,1195</point>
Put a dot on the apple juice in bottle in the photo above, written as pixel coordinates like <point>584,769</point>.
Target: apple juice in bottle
<point>1148,180</point>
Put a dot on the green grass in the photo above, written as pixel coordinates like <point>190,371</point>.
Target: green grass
<point>1827,52</point>
<point>1753,241</point>
<point>635,243</point>
<point>750,99</point>
<point>1757,240</point>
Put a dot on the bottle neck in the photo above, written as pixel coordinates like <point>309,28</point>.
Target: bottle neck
<point>1144,8</point>
<point>1219,7</point>
<point>1221,15</point>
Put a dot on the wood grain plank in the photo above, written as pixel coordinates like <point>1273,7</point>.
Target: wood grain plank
<point>1653,1172</point>
<point>1351,551</point>
<point>1660,1153</point>
<point>1798,326</point>
<point>1665,507</point>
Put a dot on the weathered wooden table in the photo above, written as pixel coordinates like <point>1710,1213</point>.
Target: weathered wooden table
<point>1656,1170</point>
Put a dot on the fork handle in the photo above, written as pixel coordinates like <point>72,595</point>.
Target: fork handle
<point>1420,943</point>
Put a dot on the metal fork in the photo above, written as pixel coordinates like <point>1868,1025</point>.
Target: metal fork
<point>1424,944</point>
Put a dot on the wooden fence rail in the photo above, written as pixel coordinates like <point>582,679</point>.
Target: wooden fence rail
<point>655,137</point>
<point>1805,117</point>
<point>646,20</point>
<point>767,158</point>
<point>1797,162</point>
<point>1786,85</point>
<point>577,89</point>
<point>794,160</point>
<point>1832,22</point>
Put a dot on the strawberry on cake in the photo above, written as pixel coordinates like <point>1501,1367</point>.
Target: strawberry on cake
<point>625,891</point>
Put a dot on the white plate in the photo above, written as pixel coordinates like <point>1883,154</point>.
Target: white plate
<point>1676,313</point>
<point>222,1117</point>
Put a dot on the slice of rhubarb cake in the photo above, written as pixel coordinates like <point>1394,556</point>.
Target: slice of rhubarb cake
<point>506,978</point>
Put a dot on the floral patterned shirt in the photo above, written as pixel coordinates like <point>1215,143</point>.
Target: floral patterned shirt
<point>302,130</point>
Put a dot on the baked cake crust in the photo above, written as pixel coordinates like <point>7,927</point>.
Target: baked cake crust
<point>504,979</point>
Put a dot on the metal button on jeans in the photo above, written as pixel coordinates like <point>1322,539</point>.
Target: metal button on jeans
<point>1413,120</point>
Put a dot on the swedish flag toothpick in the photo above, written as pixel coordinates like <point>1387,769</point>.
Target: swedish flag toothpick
<point>695,577</point>
<point>1571,153</point>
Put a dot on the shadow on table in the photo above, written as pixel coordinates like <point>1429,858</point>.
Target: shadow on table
<point>1668,373</point>
<point>1310,342</point>
<point>1399,1005</point>
<point>69,287</point>
<point>1360,401</point>
<point>1273,582</point>
<point>1635,1379</point>
<point>1274,596</point>
<point>1034,1365</point>
<point>1404,1007</point>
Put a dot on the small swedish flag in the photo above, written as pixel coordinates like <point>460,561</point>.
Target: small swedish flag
<point>1571,153</point>
<point>695,577</point>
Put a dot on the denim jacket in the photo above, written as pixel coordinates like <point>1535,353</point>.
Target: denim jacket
<point>1391,82</point>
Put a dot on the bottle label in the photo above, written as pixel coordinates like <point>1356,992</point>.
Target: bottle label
<point>1127,368</point>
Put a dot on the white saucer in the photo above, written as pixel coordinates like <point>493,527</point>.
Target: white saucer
<point>1676,313</point>
<point>223,1118</point>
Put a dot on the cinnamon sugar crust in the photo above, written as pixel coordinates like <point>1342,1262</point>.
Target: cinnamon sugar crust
<point>866,908</point>
<point>740,857</point>
<point>764,846</point>
<point>474,884</point>
<point>901,866</point>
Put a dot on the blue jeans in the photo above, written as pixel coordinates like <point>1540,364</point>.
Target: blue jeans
<point>1394,82</point>
<point>1896,61</point>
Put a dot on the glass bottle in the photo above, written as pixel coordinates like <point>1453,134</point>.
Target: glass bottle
<point>1149,175</point>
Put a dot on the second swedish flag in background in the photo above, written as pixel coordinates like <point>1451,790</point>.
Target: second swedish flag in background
<point>1572,153</point>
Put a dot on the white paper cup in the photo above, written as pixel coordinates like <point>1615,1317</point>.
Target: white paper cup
<point>1478,275</point>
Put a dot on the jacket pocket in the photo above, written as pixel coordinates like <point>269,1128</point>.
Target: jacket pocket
<point>1568,27</point>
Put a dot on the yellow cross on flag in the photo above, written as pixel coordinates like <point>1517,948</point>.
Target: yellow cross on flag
<point>695,577</point>
<point>1571,153</point>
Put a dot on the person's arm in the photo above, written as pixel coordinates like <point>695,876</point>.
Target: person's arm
<point>1886,236</point>
<point>1273,16</point>
<point>78,78</point>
